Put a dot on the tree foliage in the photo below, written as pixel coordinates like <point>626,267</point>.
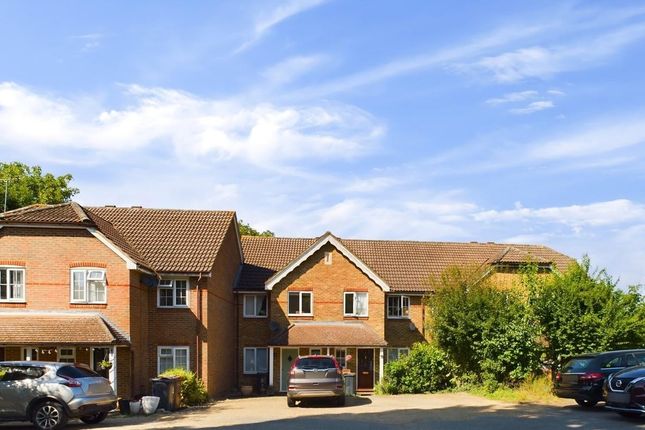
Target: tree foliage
<point>425,369</point>
<point>29,185</point>
<point>582,310</point>
<point>247,230</point>
<point>487,331</point>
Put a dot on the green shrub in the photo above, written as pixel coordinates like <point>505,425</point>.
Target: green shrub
<point>425,369</point>
<point>193,391</point>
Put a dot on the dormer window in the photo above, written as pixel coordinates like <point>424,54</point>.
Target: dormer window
<point>88,286</point>
<point>172,293</point>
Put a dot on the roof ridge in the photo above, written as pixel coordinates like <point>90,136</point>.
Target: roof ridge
<point>32,208</point>
<point>141,208</point>
<point>78,209</point>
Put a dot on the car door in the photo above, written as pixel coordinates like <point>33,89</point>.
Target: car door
<point>17,388</point>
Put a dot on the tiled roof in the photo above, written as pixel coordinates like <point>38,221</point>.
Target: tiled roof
<point>171,240</point>
<point>164,240</point>
<point>42,328</point>
<point>348,333</point>
<point>403,265</point>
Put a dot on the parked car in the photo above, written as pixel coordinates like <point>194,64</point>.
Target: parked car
<point>315,376</point>
<point>48,393</point>
<point>583,376</point>
<point>625,391</point>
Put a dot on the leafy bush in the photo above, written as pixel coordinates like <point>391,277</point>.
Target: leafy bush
<point>582,310</point>
<point>193,391</point>
<point>487,331</point>
<point>425,369</point>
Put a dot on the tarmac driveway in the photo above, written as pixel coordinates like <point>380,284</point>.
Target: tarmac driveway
<point>429,411</point>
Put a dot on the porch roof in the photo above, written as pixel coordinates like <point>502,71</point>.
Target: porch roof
<point>345,333</point>
<point>43,328</point>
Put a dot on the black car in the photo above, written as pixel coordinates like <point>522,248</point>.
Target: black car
<point>583,376</point>
<point>626,391</point>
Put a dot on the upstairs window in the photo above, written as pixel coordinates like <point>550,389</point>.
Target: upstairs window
<point>255,305</point>
<point>398,307</point>
<point>12,284</point>
<point>356,304</point>
<point>89,286</point>
<point>172,293</point>
<point>300,303</point>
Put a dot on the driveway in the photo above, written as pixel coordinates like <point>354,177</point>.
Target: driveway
<point>456,411</point>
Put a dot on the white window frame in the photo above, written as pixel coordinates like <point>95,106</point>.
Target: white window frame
<point>400,297</point>
<point>328,258</point>
<point>87,278</point>
<point>354,294</point>
<point>254,351</point>
<point>399,353</point>
<point>173,287</point>
<point>255,298</point>
<point>300,294</point>
<point>62,356</point>
<point>174,350</point>
<point>15,269</point>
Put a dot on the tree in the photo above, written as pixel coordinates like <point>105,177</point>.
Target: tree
<point>487,331</point>
<point>28,185</point>
<point>247,230</point>
<point>583,310</point>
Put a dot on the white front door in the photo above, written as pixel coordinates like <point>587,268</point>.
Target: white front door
<point>29,353</point>
<point>287,357</point>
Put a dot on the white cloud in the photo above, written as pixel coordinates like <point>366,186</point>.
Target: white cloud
<point>614,212</point>
<point>275,16</point>
<point>370,185</point>
<point>533,107</point>
<point>292,68</point>
<point>543,62</point>
<point>260,133</point>
<point>513,97</point>
<point>90,41</point>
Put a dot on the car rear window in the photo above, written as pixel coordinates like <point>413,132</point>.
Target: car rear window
<point>576,365</point>
<point>76,372</point>
<point>18,373</point>
<point>315,363</point>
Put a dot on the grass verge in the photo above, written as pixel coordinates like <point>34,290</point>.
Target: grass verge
<point>536,390</point>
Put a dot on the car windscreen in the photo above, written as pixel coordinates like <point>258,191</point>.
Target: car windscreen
<point>18,373</point>
<point>577,365</point>
<point>315,363</point>
<point>76,372</point>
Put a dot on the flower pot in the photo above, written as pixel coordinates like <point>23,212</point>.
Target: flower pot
<point>149,404</point>
<point>135,407</point>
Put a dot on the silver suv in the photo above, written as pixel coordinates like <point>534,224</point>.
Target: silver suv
<point>315,376</point>
<point>48,394</point>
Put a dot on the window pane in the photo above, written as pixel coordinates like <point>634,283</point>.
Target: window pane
<point>96,291</point>
<point>261,303</point>
<point>181,288</point>
<point>392,354</point>
<point>3,284</point>
<point>165,363</point>
<point>165,351</point>
<point>165,296</point>
<point>181,358</point>
<point>78,285</point>
<point>306,303</point>
<point>349,303</point>
<point>405,306</point>
<point>393,306</point>
<point>262,360</point>
<point>249,360</point>
<point>249,305</point>
<point>294,303</point>
<point>340,356</point>
<point>361,303</point>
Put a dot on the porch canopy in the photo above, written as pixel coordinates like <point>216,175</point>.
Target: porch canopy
<point>332,333</point>
<point>37,328</point>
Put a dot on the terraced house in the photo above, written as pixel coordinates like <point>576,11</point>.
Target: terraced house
<point>144,290</point>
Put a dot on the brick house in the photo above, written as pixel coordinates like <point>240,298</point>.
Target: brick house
<point>145,289</point>
<point>362,298</point>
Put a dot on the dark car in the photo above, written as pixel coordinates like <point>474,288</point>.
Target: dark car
<point>626,391</point>
<point>583,376</point>
<point>315,376</point>
<point>48,393</point>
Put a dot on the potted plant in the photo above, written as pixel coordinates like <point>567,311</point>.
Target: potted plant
<point>105,364</point>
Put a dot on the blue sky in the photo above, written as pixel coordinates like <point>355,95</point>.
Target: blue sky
<point>519,122</point>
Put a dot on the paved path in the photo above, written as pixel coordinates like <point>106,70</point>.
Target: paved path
<point>432,411</point>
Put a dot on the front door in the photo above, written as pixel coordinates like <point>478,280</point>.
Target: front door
<point>365,369</point>
<point>288,356</point>
<point>99,355</point>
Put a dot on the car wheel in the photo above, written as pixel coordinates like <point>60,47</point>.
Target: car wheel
<point>586,403</point>
<point>290,402</point>
<point>94,419</point>
<point>49,416</point>
<point>340,401</point>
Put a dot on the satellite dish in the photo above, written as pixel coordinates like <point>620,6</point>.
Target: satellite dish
<point>274,326</point>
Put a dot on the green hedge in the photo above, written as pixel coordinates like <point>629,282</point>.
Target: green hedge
<point>193,391</point>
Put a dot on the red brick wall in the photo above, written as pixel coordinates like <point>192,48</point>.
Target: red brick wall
<point>404,332</point>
